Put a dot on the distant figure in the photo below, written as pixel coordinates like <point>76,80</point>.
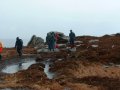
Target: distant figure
<point>52,41</point>
<point>19,46</point>
<point>71,38</point>
<point>1,48</point>
<point>48,41</point>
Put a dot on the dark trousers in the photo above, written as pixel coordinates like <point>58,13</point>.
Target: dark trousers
<point>19,50</point>
<point>72,43</point>
<point>0,57</point>
<point>51,46</point>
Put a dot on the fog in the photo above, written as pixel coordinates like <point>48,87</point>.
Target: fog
<point>24,18</point>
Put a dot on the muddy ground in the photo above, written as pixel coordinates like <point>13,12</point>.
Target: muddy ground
<point>95,65</point>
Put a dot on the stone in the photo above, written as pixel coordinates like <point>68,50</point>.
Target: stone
<point>118,34</point>
<point>36,42</point>
<point>62,38</point>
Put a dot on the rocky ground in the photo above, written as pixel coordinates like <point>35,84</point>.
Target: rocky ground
<point>95,65</point>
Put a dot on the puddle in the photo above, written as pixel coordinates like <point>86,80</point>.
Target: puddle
<point>95,46</point>
<point>50,75</point>
<point>111,65</point>
<point>78,45</point>
<point>22,65</point>
<point>93,41</point>
<point>80,42</point>
<point>117,65</point>
<point>71,49</point>
<point>67,88</point>
<point>47,50</point>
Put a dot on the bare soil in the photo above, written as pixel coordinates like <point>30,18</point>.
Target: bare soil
<point>84,69</point>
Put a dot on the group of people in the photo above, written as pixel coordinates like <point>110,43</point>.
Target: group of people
<point>52,38</point>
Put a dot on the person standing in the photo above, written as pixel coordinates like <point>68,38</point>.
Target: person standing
<point>19,46</point>
<point>72,38</point>
<point>48,40</point>
<point>1,48</point>
<point>52,41</point>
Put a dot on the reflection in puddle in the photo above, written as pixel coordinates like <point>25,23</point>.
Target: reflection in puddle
<point>17,67</point>
<point>25,64</point>
<point>49,74</point>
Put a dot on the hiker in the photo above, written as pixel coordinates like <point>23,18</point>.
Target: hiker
<point>52,41</point>
<point>71,38</point>
<point>19,46</point>
<point>48,41</point>
<point>1,48</point>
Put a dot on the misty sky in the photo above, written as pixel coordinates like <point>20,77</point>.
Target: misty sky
<point>24,18</point>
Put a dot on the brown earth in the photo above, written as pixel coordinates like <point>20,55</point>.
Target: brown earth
<point>84,69</point>
<point>12,53</point>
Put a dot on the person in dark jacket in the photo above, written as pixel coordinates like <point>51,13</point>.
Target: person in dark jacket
<point>52,41</point>
<point>71,38</point>
<point>19,46</point>
<point>48,41</point>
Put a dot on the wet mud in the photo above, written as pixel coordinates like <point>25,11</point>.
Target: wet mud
<point>93,66</point>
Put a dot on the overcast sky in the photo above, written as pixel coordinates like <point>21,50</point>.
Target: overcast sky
<point>24,18</point>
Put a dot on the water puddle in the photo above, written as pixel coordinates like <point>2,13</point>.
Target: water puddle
<point>111,65</point>
<point>71,49</point>
<point>50,75</point>
<point>67,88</point>
<point>93,41</point>
<point>47,50</point>
<point>118,65</point>
<point>95,46</point>
<point>79,42</point>
<point>22,65</point>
